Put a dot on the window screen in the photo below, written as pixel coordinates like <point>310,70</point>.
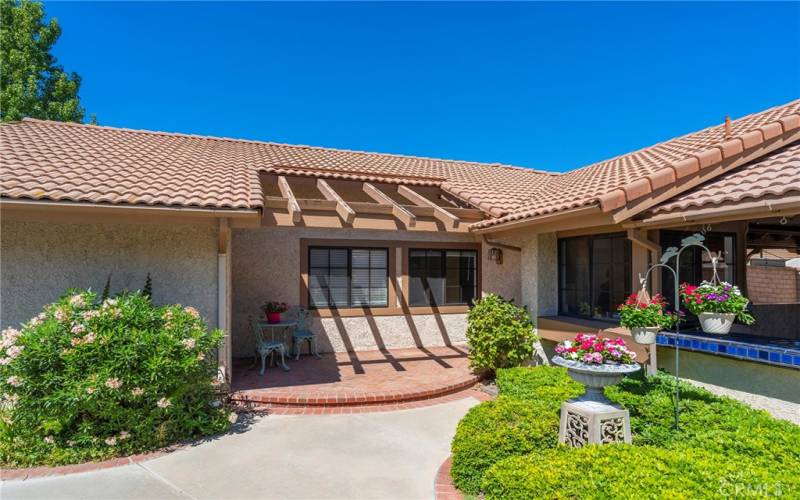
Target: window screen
<point>348,277</point>
<point>442,277</point>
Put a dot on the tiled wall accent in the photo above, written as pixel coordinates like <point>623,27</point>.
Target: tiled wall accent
<point>779,356</point>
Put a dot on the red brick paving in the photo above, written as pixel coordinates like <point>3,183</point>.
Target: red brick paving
<point>443,484</point>
<point>364,378</point>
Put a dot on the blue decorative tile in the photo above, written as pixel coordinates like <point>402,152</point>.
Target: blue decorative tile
<point>763,354</point>
<point>671,341</point>
<point>741,351</point>
<point>722,348</point>
<point>786,359</point>
<point>752,353</point>
<point>704,346</point>
<point>796,361</point>
<point>695,344</point>
<point>775,357</point>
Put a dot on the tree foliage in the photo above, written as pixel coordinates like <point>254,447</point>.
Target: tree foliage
<point>32,83</point>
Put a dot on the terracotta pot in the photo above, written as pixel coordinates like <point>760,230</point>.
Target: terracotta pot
<point>644,334</point>
<point>273,318</point>
<point>719,323</point>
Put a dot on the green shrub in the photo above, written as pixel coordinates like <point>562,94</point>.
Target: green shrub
<point>734,439</point>
<point>709,422</point>
<point>87,380</point>
<point>500,334</point>
<point>628,472</point>
<point>495,430</point>
<point>546,384</point>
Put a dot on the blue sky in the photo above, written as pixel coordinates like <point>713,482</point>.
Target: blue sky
<point>549,86</point>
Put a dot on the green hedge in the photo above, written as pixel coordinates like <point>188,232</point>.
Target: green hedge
<point>500,334</point>
<point>523,423</point>
<point>627,472</point>
<point>89,379</point>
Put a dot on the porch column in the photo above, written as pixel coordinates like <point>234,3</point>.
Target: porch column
<point>224,298</point>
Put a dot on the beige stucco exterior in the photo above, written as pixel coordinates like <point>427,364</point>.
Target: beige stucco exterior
<point>39,260</point>
<point>266,266</point>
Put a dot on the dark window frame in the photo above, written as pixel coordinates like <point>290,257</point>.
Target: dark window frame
<point>349,249</point>
<point>475,272</point>
<point>628,261</point>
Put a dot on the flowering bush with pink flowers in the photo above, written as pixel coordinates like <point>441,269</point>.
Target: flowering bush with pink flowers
<point>88,379</point>
<point>593,349</point>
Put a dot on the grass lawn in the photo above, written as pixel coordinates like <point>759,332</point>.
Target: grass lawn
<point>507,448</point>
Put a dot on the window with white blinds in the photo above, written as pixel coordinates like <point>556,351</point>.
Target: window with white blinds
<point>348,277</point>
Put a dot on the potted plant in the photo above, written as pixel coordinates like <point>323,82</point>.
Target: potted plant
<point>595,362</point>
<point>645,318</point>
<point>273,311</point>
<point>717,305</point>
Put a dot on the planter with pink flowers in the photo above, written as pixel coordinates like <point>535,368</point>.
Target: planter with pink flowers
<point>596,363</point>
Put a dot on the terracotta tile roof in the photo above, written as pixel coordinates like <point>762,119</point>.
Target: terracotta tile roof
<point>774,175</point>
<point>45,160</point>
<point>612,183</point>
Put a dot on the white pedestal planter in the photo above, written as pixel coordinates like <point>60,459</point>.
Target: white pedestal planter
<point>592,418</point>
<point>719,323</point>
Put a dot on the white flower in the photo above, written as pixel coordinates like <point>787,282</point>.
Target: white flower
<point>113,383</point>
<point>5,361</point>
<point>200,356</point>
<point>49,440</point>
<point>89,338</point>
<point>111,441</point>
<point>189,343</point>
<point>78,329</point>
<point>61,315</point>
<point>137,391</point>
<point>233,417</point>
<point>110,302</point>
<point>14,351</point>
<point>88,315</point>
<point>14,381</point>
<point>77,301</point>
<point>164,403</point>
<point>90,390</point>
<point>70,443</point>
<point>10,400</point>
<point>124,435</point>
<point>194,312</point>
<point>10,336</point>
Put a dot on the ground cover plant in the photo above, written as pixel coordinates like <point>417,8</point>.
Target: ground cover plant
<point>88,379</point>
<point>723,448</point>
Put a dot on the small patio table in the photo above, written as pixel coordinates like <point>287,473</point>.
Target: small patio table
<point>283,328</point>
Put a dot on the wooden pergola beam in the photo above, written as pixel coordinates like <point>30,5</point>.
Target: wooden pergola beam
<point>409,219</point>
<point>342,208</point>
<point>286,192</point>
<point>440,213</point>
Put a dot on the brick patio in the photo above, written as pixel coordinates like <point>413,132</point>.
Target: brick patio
<point>357,378</point>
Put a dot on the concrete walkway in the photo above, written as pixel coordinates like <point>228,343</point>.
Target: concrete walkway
<point>369,455</point>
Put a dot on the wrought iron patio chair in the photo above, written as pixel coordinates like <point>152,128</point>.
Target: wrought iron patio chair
<point>266,346</point>
<point>302,332</point>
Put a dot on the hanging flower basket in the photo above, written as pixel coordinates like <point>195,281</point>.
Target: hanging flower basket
<point>645,317</point>
<point>717,305</point>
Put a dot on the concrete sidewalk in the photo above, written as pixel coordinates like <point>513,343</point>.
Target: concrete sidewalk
<point>369,455</point>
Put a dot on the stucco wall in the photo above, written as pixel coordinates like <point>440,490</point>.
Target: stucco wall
<point>266,266</point>
<point>40,260</point>
<point>539,276</point>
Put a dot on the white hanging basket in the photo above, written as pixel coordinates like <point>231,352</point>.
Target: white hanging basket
<point>719,323</point>
<point>645,334</point>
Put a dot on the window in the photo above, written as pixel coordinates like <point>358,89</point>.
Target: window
<point>348,277</point>
<point>442,277</point>
<point>594,275</point>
